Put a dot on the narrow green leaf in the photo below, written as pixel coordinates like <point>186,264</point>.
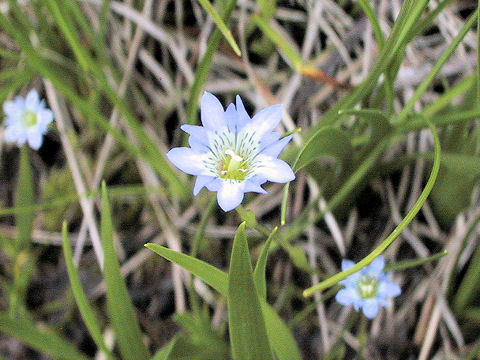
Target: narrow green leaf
<point>248,335</point>
<point>378,121</point>
<point>210,274</point>
<point>260,267</point>
<point>205,64</point>
<point>396,232</point>
<point>86,311</point>
<point>279,335</point>
<point>120,307</point>
<point>221,25</point>
<point>24,197</point>
<point>327,141</point>
<point>423,86</point>
<point>166,352</point>
<point>406,264</point>
<point>42,339</point>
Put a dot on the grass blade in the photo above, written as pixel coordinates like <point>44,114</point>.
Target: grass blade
<point>43,339</point>
<point>248,335</point>
<point>86,311</point>
<point>221,25</point>
<point>120,307</point>
<point>260,267</point>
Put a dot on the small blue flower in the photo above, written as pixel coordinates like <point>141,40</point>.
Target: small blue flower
<point>368,288</point>
<point>27,120</point>
<point>232,153</point>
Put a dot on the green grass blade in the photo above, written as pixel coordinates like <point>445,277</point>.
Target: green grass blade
<point>406,264</point>
<point>396,232</point>
<point>24,197</point>
<point>221,25</point>
<point>42,339</point>
<point>436,69</point>
<point>248,335</point>
<point>205,64</point>
<point>260,267</point>
<point>86,311</point>
<point>209,274</point>
<point>279,335</point>
<point>120,307</point>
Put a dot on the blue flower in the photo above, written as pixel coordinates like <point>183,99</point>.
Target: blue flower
<point>367,289</point>
<point>232,153</point>
<point>27,120</point>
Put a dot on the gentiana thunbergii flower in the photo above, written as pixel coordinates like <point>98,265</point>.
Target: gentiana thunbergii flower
<point>27,120</point>
<point>232,153</point>
<point>367,289</point>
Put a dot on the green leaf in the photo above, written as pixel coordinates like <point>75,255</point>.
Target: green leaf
<point>205,65</point>
<point>86,311</point>
<point>221,25</point>
<point>210,274</point>
<point>279,335</point>
<point>378,121</point>
<point>120,307</point>
<point>406,264</point>
<point>24,197</point>
<point>260,267</point>
<point>42,339</point>
<point>248,335</point>
<point>327,141</point>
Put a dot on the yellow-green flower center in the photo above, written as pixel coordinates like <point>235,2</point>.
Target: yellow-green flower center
<point>367,286</point>
<point>29,118</point>
<point>233,166</point>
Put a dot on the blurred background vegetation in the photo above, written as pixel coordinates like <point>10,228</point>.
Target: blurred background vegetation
<point>360,78</point>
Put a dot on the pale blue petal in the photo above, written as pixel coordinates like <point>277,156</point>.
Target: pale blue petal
<point>198,145</point>
<point>231,117</point>
<point>266,120</point>
<point>347,264</point>
<point>276,148</point>
<point>347,296</point>
<point>389,289</point>
<point>35,139</point>
<point>370,308</point>
<point>45,117</point>
<point>200,182</point>
<point>13,133</point>
<point>230,194</point>
<point>32,101</point>
<point>269,138</point>
<point>214,185</point>
<point>212,113</point>
<point>376,266</point>
<point>188,161</point>
<point>254,186</point>
<point>274,170</point>
<point>243,117</point>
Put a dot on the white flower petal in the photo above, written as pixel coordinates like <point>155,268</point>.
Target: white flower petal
<point>200,182</point>
<point>230,194</point>
<point>266,120</point>
<point>188,161</point>
<point>276,148</point>
<point>45,117</point>
<point>35,140</point>
<point>243,117</point>
<point>274,170</point>
<point>370,308</point>
<point>211,112</point>
<point>32,101</point>
<point>376,266</point>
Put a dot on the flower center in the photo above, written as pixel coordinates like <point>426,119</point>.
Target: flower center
<point>29,118</point>
<point>233,166</point>
<point>367,286</point>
